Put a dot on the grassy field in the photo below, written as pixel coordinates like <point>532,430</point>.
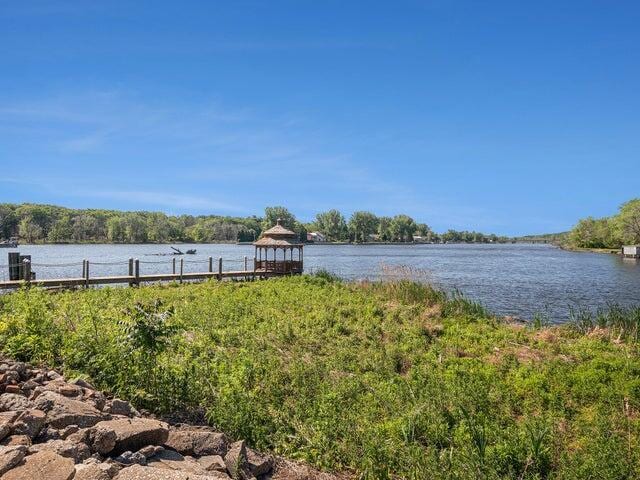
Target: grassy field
<point>385,380</point>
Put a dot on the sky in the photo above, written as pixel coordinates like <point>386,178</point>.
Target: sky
<point>498,116</point>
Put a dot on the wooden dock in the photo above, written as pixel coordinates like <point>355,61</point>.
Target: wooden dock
<point>133,280</point>
<point>134,277</point>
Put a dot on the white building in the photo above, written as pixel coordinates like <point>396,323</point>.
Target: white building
<point>316,237</point>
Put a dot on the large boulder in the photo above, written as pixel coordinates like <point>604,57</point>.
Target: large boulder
<point>62,411</point>
<point>10,457</point>
<point>132,433</point>
<point>45,465</point>
<point>197,441</point>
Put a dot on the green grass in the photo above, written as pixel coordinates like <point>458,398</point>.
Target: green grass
<point>382,380</point>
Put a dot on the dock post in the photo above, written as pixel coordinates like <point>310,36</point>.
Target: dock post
<point>131,270</point>
<point>181,268</point>
<point>86,274</point>
<point>245,263</point>
<point>27,270</point>
<point>136,270</point>
<point>84,268</point>
<point>174,265</point>
<point>220,268</point>
<point>210,264</point>
<point>255,261</point>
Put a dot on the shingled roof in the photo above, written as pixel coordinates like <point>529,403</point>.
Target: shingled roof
<point>278,236</point>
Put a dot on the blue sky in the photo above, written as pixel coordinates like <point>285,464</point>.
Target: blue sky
<point>501,116</point>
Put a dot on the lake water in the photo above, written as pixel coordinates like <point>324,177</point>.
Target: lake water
<point>511,279</point>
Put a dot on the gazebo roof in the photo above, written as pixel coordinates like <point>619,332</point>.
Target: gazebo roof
<point>278,236</point>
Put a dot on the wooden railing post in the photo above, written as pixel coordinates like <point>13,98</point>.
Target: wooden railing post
<point>86,274</point>
<point>210,264</point>
<point>130,270</point>
<point>245,263</point>
<point>174,265</point>
<point>181,268</point>
<point>84,268</point>
<point>220,268</point>
<point>136,270</point>
<point>255,262</point>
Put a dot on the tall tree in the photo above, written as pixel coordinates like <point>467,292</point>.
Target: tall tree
<point>384,229</point>
<point>628,221</point>
<point>333,225</point>
<point>402,228</point>
<point>30,230</point>
<point>272,214</point>
<point>361,225</point>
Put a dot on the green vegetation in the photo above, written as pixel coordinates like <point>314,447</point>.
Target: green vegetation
<point>608,232</point>
<point>35,223</point>
<point>385,380</point>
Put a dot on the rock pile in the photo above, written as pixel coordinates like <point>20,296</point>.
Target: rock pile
<point>57,430</point>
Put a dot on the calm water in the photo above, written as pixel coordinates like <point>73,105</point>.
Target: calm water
<point>509,279</point>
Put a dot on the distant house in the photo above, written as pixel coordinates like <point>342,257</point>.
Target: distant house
<point>316,237</point>
<point>631,251</point>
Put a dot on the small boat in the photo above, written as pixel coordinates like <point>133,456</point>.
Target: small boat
<point>11,243</point>
<point>177,251</point>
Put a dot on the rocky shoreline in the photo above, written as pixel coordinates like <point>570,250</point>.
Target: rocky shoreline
<point>55,429</point>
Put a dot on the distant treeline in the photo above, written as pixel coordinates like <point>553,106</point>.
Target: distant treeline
<point>35,223</point>
<point>609,232</point>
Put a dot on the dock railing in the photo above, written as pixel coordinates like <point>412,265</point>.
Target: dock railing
<point>241,269</point>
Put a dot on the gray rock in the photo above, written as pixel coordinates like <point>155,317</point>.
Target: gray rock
<point>213,463</point>
<point>197,441</point>
<point>236,460</point>
<point>29,423</point>
<point>91,472</point>
<point>259,464</point>
<point>10,457</point>
<point>120,407</point>
<point>45,465</point>
<point>62,411</point>
<point>78,452</point>
<point>13,402</point>
<point>102,439</point>
<point>137,472</point>
<point>135,433</point>
<point>14,440</point>
<point>6,423</point>
<point>131,458</point>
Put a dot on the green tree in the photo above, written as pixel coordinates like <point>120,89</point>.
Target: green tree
<point>8,221</point>
<point>384,229</point>
<point>85,227</point>
<point>61,230</point>
<point>116,229</point>
<point>29,230</point>
<point>135,228</point>
<point>628,222</point>
<point>333,225</point>
<point>402,228</point>
<point>361,225</point>
<point>272,214</point>
<point>594,233</point>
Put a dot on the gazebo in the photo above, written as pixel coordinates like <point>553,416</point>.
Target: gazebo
<point>275,251</point>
